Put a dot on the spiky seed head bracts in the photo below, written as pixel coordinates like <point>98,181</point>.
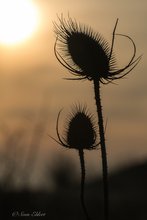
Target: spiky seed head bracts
<point>87,54</point>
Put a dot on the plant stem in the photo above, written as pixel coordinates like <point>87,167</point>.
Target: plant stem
<point>82,163</point>
<point>103,148</point>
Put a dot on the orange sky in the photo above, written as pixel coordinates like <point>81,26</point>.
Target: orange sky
<point>30,75</point>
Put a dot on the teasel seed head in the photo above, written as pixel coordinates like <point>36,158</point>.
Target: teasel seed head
<point>86,54</point>
<point>80,130</point>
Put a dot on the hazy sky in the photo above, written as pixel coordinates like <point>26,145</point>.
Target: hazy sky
<point>31,76</point>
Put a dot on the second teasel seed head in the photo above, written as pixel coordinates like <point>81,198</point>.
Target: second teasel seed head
<point>80,130</point>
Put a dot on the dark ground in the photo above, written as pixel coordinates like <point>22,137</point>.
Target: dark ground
<point>128,199</point>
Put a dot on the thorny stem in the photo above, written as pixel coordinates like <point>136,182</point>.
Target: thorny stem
<point>82,163</point>
<point>103,148</point>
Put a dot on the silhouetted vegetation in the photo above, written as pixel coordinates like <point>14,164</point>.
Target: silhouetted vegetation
<point>88,56</point>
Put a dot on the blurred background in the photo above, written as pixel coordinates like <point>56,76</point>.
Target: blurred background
<point>32,91</point>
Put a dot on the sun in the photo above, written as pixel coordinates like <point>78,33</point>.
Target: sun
<point>18,20</point>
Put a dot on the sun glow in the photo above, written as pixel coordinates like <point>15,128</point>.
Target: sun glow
<point>18,20</point>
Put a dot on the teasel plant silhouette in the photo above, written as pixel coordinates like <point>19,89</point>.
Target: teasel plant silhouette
<point>87,55</point>
<point>79,134</point>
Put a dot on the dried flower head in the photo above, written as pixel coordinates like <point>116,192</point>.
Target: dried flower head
<point>86,54</point>
<point>80,131</point>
